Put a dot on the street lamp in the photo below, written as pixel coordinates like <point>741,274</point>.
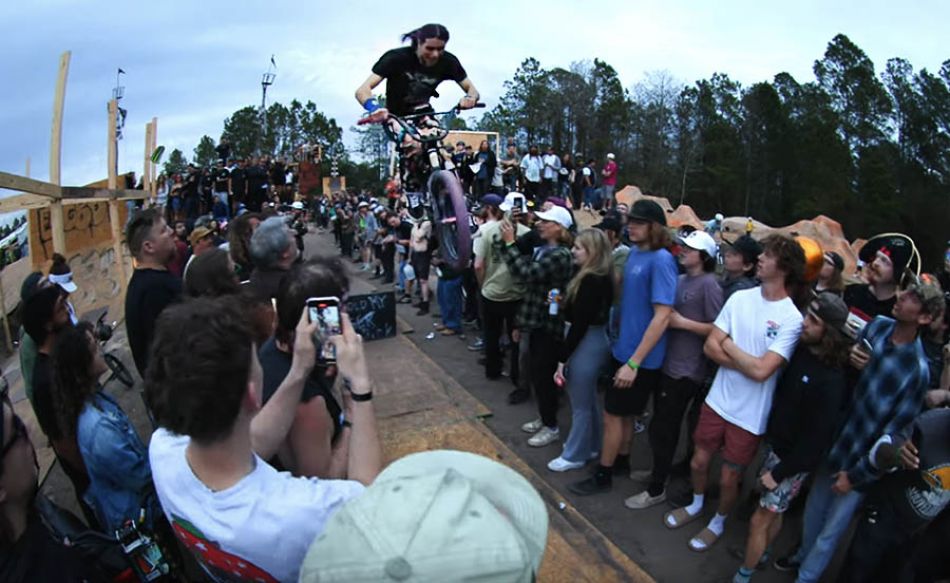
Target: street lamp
<point>266,81</point>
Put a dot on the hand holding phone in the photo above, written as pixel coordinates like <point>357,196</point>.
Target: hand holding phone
<point>325,313</point>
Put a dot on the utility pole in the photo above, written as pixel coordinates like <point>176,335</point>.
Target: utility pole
<point>266,81</point>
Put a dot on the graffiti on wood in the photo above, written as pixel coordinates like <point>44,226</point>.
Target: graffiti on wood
<point>85,226</point>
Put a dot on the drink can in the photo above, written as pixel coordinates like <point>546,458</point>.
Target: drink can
<point>553,296</point>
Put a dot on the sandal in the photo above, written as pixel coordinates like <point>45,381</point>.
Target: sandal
<point>707,537</point>
<point>678,518</point>
<point>449,332</point>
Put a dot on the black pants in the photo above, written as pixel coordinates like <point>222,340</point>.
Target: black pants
<point>482,187</point>
<point>499,318</point>
<point>531,189</point>
<point>346,244</point>
<point>387,258</point>
<point>669,406</point>
<point>880,546</point>
<point>543,357</point>
<point>547,188</point>
<point>470,308</point>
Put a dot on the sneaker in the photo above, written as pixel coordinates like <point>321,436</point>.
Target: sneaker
<point>449,332</point>
<point>641,475</point>
<point>532,426</point>
<point>786,564</point>
<point>739,554</point>
<point>560,464</point>
<point>546,436</point>
<point>477,345</point>
<point>518,396</point>
<point>638,426</point>
<point>590,486</point>
<point>644,500</point>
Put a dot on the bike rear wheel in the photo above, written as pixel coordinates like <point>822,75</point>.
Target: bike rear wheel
<point>450,219</point>
<point>119,370</point>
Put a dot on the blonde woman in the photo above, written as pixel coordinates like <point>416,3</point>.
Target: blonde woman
<point>584,352</point>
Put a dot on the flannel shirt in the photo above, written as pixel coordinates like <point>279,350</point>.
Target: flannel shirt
<point>888,397</point>
<point>551,269</point>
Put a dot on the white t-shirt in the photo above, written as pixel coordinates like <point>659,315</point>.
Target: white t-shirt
<point>257,530</point>
<point>756,325</point>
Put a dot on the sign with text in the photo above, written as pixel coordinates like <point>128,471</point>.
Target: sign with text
<point>373,315</point>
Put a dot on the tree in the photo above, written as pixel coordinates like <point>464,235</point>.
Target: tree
<point>243,131</point>
<point>176,163</point>
<point>205,155</point>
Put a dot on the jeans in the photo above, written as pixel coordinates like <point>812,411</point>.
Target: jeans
<point>608,193</point>
<point>543,354</point>
<point>590,196</point>
<point>827,516</point>
<point>223,197</point>
<point>498,318</point>
<point>449,294</point>
<point>587,420</point>
<point>669,406</point>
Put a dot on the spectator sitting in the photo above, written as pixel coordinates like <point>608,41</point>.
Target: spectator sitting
<point>435,516</point>
<point>273,251</point>
<point>223,500</point>
<point>739,264</point>
<point>116,460</point>
<point>317,442</point>
<point>28,552</point>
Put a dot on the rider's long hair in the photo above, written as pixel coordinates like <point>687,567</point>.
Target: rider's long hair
<point>73,379</point>
<point>425,32</point>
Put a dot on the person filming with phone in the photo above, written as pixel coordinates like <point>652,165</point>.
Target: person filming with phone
<point>239,516</point>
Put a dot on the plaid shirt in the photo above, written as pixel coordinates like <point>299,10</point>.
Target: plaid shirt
<point>547,269</point>
<point>888,396</point>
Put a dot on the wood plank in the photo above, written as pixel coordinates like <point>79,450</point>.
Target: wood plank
<point>22,202</point>
<point>83,192</point>
<point>14,182</point>
<point>56,131</point>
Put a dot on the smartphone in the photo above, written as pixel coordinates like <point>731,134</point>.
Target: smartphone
<point>867,345</point>
<point>325,312</point>
<point>520,201</point>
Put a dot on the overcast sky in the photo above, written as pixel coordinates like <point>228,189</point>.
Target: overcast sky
<point>191,64</point>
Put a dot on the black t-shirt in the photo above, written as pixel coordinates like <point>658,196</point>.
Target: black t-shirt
<point>238,182</point>
<point>221,176</point>
<point>918,496</point>
<point>404,231</point>
<point>150,291</point>
<point>276,365</point>
<point>409,83</point>
<point>859,296</point>
<point>278,174</point>
<point>43,397</point>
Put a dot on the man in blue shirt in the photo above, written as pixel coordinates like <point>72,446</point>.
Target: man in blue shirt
<point>649,290</point>
<point>888,396</point>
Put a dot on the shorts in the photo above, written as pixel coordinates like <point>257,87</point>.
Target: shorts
<point>779,499</point>
<point>714,433</point>
<point>420,263</point>
<point>631,401</point>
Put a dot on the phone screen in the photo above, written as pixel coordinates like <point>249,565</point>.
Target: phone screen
<point>327,316</point>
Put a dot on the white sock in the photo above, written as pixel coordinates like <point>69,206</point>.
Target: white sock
<point>697,504</point>
<point>717,523</point>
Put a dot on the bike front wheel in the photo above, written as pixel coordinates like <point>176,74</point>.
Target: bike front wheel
<point>450,216</point>
<point>119,370</point>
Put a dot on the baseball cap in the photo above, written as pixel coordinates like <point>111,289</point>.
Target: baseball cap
<point>362,204</point>
<point>198,234</point>
<point>491,200</point>
<point>928,292</point>
<point>556,214</point>
<point>835,260</point>
<point>610,156</point>
<point>610,222</point>
<point>297,205</point>
<point>64,280</point>
<point>647,210</point>
<point>435,516</point>
<point>831,309</point>
<point>509,201</point>
<point>30,284</point>
<point>701,241</point>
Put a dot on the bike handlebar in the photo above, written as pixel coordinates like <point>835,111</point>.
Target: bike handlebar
<point>455,110</point>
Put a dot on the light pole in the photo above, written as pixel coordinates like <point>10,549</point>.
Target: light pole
<point>266,81</point>
<point>118,92</point>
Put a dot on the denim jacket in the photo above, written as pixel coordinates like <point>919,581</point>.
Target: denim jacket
<point>117,462</point>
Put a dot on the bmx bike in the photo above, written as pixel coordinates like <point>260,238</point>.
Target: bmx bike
<point>429,182</point>
<point>118,371</point>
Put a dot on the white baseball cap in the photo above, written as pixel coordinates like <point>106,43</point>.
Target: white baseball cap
<point>557,214</point>
<point>64,281</point>
<point>610,156</point>
<point>702,241</point>
<point>435,516</point>
<point>509,201</point>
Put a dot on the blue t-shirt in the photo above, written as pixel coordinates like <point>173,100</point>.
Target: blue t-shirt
<point>649,277</point>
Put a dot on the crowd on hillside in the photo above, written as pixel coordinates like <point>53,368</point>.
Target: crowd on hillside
<point>265,463</point>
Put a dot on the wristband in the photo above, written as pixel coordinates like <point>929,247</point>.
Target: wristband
<point>362,397</point>
<point>632,364</point>
<point>371,105</point>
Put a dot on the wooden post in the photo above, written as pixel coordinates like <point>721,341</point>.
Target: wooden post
<point>27,174</point>
<point>114,215</point>
<point>154,192</point>
<point>147,164</point>
<point>55,154</point>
